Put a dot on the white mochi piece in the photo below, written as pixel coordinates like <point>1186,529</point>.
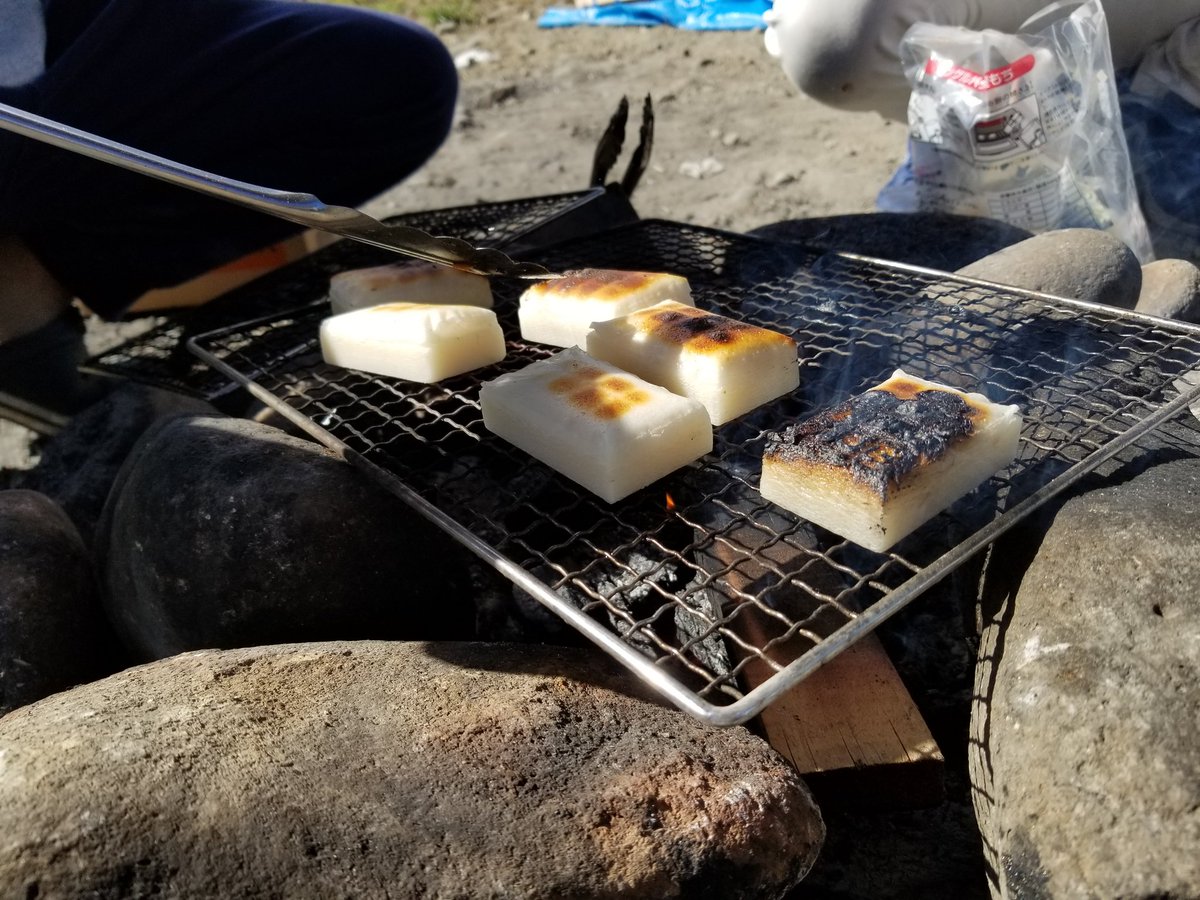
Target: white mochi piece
<point>423,342</point>
<point>729,366</point>
<point>880,465</point>
<point>413,281</point>
<point>560,311</point>
<point>603,428</point>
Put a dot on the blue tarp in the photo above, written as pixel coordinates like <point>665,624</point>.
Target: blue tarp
<point>699,15</point>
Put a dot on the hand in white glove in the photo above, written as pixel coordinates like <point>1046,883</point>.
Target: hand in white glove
<point>846,52</point>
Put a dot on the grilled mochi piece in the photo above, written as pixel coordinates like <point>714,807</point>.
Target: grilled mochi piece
<point>414,281</point>
<point>603,428</point>
<point>880,465</point>
<point>729,366</point>
<point>423,342</point>
<point>560,311</point>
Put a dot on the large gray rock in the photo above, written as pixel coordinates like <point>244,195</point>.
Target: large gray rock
<point>79,464</point>
<point>227,533</point>
<point>1171,289</point>
<point>1080,263</point>
<point>52,631</point>
<point>1089,778</point>
<point>406,770</point>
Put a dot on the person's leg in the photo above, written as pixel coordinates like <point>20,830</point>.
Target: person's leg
<point>334,101</point>
<point>41,344</point>
<point>1162,133</point>
<point>29,295</point>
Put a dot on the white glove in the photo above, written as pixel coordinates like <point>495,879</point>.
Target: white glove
<point>846,53</point>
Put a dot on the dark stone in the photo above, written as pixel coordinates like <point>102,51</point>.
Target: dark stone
<point>942,241</point>
<point>412,770</point>
<point>52,631</point>
<point>78,465</point>
<point>228,533</point>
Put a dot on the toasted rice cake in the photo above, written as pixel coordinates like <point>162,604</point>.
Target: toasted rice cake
<point>412,281</point>
<point>878,466</point>
<point>728,365</point>
<point>601,427</point>
<point>423,342</point>
<point>559,311</point>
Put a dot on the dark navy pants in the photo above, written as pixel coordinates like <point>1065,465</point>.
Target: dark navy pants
<point>335,101</point>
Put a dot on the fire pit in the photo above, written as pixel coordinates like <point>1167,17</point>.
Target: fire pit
<point>695,582</point>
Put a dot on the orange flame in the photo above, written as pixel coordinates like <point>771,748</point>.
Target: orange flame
<point>670,503</point>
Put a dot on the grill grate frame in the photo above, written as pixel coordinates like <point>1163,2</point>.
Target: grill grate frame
<point>696,583</point>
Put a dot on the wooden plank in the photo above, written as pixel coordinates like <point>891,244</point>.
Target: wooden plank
<point>851,727</point>
<point>212,284</point>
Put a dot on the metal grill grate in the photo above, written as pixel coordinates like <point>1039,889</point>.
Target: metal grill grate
<point>158,357</point>
<point>696,583</point>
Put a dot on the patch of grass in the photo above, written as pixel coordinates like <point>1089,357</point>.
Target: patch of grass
<point>432,12</point>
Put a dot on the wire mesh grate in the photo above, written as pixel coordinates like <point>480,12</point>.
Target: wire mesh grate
<point>718,598</point>
<point>159,357</point>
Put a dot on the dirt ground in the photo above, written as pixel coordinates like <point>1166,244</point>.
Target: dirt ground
<point>736,145</point>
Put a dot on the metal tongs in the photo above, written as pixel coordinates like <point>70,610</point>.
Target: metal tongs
<point>303,209</point>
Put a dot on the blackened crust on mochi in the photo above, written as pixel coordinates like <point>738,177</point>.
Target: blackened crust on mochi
<point>879,437</point>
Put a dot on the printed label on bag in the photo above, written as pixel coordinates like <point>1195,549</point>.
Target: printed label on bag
<point>938,67</point>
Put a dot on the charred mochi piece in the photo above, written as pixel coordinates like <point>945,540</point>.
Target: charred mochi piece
<point>880,465</point>
<point>728,365</point>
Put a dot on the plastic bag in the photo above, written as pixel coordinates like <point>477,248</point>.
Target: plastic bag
<point>1023,128</point>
